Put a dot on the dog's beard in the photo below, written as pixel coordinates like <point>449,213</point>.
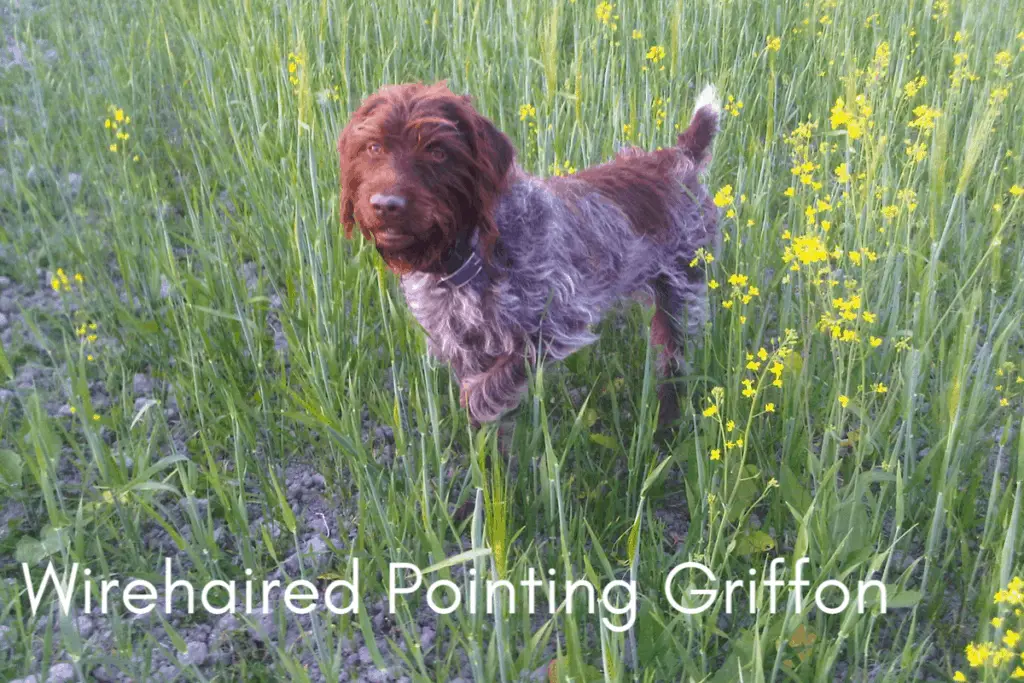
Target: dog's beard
<point>425,252</point>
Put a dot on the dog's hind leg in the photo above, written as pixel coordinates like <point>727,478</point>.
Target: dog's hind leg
<point>680,299</point>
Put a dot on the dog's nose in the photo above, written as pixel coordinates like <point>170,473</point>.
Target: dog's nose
<point>387,204</point>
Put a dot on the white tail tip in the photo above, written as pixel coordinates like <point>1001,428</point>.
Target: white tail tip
<point>708,98</point>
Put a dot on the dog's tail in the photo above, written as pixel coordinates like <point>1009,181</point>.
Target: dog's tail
<point>697,138</point>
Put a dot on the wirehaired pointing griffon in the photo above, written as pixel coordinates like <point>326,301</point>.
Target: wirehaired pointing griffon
<point>502,268</point>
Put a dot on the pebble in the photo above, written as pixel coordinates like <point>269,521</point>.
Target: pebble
<point>4,321</point>
<point>61,673</point>
<point>4,282</point>
<point>142,384</point>
<point>365,657</point>
<point>427,636</point>
<point>196,653</point>
<point>85,626</point>
<point>378,676</point>
<point>74,184</point>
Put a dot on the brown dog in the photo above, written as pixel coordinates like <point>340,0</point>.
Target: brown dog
<point>502,268</point>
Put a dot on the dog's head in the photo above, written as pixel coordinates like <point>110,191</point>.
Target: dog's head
<point>420,170</point>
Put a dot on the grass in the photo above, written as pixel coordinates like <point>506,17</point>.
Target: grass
<point>878,433</point>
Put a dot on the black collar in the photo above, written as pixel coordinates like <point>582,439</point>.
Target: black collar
<point>462,264</point>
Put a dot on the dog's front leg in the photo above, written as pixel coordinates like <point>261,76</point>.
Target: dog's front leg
<point>497,390</point>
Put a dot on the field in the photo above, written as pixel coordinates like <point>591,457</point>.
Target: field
<point>196,364</point>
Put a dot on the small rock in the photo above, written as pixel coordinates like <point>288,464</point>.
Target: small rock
<point>61,673</point>
<point>85,626</point>
<point>142,384</point>
<point>74,184</point>
<point>378,676</point>
<point>386,433</point>
<point>166,673</point>
<point>229,622</point>
<point>365,658</point>
<point>103,675</point>
<point>427,636</point>
<point>316,546</point>
<point>5,396</point>
<point>196,653</point>
<point>4,321</point>
<point>4,282</point>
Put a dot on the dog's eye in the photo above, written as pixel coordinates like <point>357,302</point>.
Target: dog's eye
<point>374,148</point>
<point>438,154</point>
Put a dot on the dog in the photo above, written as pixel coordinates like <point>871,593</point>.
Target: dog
<point>503,269</point>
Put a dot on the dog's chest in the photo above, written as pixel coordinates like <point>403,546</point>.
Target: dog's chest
<point>456,321</point>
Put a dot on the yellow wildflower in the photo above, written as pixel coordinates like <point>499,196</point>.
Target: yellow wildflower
<point>724,196</point>
<point>656,53</point>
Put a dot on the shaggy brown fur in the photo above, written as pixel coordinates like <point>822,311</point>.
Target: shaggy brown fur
<point>504,269</point>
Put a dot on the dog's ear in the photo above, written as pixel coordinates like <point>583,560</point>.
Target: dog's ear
<point>346,204</point>
<point>495,146</point>
<point>491,145</point>
<point>496,156</point>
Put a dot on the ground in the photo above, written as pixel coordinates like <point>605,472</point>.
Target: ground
<point>196,364</point>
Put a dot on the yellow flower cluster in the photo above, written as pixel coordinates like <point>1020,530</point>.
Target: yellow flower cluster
<point>1010,383</point>
<point>655,54</point>
<point>1000,655</point>
<point>803,166</point>
<point>840,320</point>
<point>562,170</point>
<point>659,111</point>
<point>732,106</point>
<point>62,283</point>
<point>605,13</point>
<point>961,72</point>
<point>879,67</point>
<point>856,118</point>
<point>295,63</point>
<point>763,364</point>
<point>117,123</point>
<point>724,196</point>
<point>87,332</point>
<point>925,117</point>
<point>912,87</point>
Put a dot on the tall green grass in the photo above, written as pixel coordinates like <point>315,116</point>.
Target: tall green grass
<point>898,458</point>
